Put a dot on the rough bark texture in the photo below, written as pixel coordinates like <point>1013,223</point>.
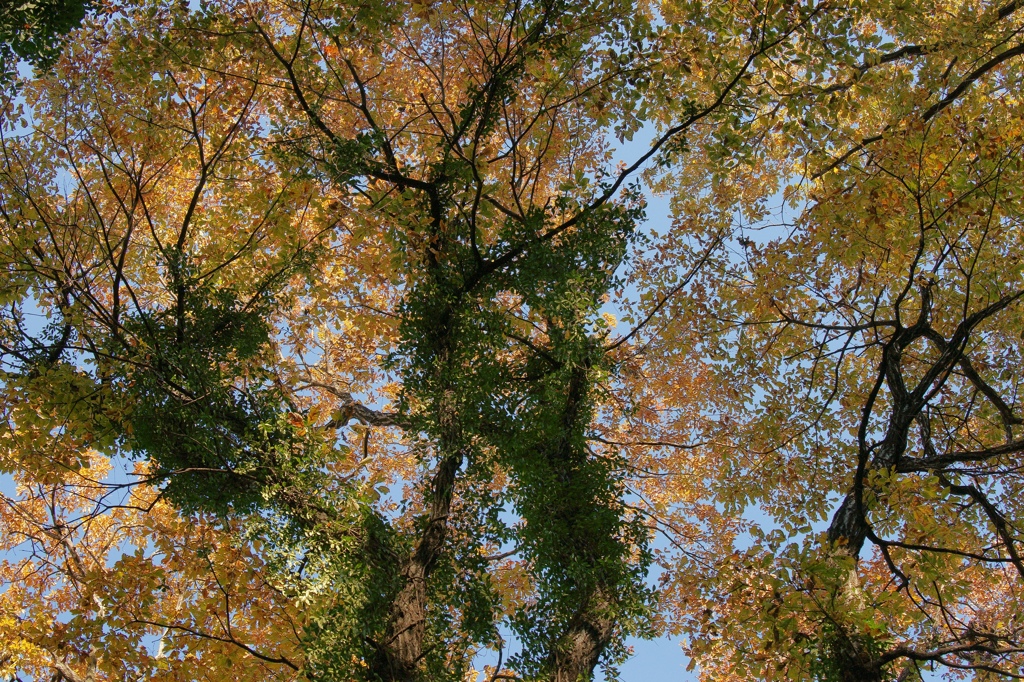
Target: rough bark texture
<point>584,641</point>
<point>399,655</point>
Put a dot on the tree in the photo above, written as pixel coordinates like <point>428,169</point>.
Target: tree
<point>226,223</point>
<point>34,30</point>
<point>873,339</point>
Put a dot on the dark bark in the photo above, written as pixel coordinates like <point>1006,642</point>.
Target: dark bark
<point>854,663</point>
<point>399,655</point>
<point>581,513</point>
<point>850,528</point>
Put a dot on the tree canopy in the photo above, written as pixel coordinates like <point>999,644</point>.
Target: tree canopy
<point>337,342</point>
<point>34,30</point>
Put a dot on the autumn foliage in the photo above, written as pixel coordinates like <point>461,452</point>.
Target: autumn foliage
<point>338,343</point>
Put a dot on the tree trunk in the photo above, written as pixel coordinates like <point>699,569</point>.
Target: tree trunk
<point>584,640</point>
<point>578,648</point>
<point>399,655</point>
